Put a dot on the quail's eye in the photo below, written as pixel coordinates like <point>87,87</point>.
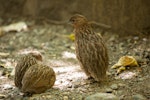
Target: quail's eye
<point>72,20</point>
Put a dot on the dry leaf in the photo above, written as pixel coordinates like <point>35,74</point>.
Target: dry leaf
<point>125,61</point>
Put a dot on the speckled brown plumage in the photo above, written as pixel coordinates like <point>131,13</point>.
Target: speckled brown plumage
<point>38,78</point>
<point>90,48</point>
<point>37,55</point>
<point>23,64</point>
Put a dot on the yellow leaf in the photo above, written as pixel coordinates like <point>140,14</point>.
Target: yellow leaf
<point>72,37</point>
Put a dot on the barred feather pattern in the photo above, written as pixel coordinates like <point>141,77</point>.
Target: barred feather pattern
<point>91,52</point>
<point>23,64</point>
<point>43,78</point>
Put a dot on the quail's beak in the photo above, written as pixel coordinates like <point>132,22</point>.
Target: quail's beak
<point>70,22</point>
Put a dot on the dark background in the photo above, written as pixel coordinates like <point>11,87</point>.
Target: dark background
<point>132,16</point>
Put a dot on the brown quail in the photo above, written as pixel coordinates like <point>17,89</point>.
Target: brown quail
<point>90,48</point>
<point>37,55</point>
<point>38,78</point>
<point>23,64</point>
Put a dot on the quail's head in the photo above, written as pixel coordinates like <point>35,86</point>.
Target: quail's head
<point>78,20</point>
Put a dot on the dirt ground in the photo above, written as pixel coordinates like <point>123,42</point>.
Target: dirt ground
<point>58,52</point>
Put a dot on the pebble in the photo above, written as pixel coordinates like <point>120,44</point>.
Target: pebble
<point>7,86</point>
<point>69,86</point>
<point>12,72</point>
<point>109,90</point>
<point>138,97</point>
<point>2,96</point>
<point>144,39</point>
<point>18,97</point>
<point>108,73</point>
<point>119,93</point>
<point>121,85</point>
<point>65,93</point>
<point>139,59</point>
<point>65,98</point>
<point>141,79</point>
<point>114,86</point>
<point>76,86</point>
<point>122,97</point>
<point>83,90</point>
<point>136,38</point>
<point>102,96</point>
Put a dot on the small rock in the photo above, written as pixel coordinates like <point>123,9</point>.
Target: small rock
<point>138,97</point>
<point>65,98</point>
<point>144,39</point>
<point>66,93</point>
<point>121,85</point>
<point>49,96</point>
<point>16,97</point>
<point>102,96</point>
<point>12,74</point>
<point>136,38</point>
<point>141,79</point>
<point>2,54</point>
<point>114,86</point>
<point>76,86</point>
<point>119,93</point>
<point>108,73</point>
<point>83,90</point>
<point>7,86</point>
<point>2,96</point>
<point>69,86</point>
<point>109,90</point>
<point>122,97</point>
<point>139,59</point>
